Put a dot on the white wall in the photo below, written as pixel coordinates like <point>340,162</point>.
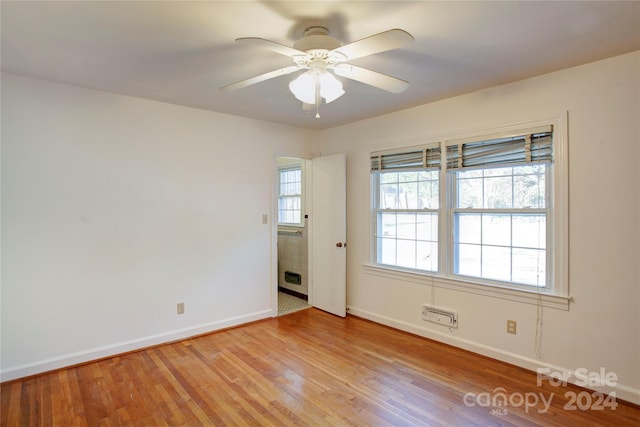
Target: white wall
<point>114,209</point>
<point>602,326</point>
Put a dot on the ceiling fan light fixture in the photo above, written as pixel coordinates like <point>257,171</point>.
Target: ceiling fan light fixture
<point>330,87</point>
<point>304,87</point>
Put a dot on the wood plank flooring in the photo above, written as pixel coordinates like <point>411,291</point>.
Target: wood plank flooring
<point>308,368</point>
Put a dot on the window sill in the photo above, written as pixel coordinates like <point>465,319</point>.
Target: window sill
<point>520,295</point>
<point>290,227</point>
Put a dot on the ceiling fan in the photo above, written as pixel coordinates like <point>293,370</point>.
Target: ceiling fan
<point>318,53</point>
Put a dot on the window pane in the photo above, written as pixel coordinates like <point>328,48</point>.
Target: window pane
<point>529,231</point>
<point>427,256</point>
<point>388,177</point>
<point>469,193</point>
<point>290,203</point>
<point>387,225</point>
<point>502,188</point>
<point>291,188</point>
<point>496,263</point>
<point>529,191</point>
<point>427,226</point>
<point>498,193</point>
<point>536,168</point>
<point>406,226</point>
<point>387,251</point>
<point>288,214</point>
<point>497,172</point>
<point>520,259</point>
<point>496,229</point>
<point>467,260</point>
<point>389,196</point>
<point>429,190</point>
<point>428,175</point>
<point>290,182</point>
<point>529,267</point>
<point>294,188</point>
<point>406,253</point>
<point>468,228</point>
<point>289,217</point>
<point>407,176</point>
<point>408,195</point>
<point>470,173</point>
<point>295,217</point>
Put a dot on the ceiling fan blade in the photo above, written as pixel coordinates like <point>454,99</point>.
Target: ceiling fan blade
<point>262,77</point>
<point>387,40</point>
<point>372,78</point>
<point>271,45</point>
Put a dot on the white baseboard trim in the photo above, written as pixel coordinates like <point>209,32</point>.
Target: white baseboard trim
<point>624,392</point>
<point>21,371</point>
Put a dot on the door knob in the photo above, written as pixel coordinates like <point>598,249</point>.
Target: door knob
<point>340,244</point>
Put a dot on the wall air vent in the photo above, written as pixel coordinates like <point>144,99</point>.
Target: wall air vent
<point>294,278</point>
<point>441,316</point>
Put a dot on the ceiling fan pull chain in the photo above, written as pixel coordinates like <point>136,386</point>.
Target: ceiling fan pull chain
<point>317,97</point>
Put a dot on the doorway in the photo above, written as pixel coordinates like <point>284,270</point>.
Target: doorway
<point>318,187</point>
<point>292,235</point>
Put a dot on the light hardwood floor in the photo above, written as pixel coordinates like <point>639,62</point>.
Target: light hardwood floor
<point>306,368</point>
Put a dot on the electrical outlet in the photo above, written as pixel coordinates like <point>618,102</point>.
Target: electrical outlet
<point>180,308</point>
<point>511,326</point>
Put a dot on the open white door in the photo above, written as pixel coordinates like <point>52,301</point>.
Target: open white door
<point>329,233</point>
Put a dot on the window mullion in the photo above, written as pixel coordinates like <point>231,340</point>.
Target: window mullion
<point>549,211</point>
<point>415,238</point>
<point>445,230</point>
<point>395,218</point>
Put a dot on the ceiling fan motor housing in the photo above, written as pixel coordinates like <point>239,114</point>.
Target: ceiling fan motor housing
<point>316,38</point>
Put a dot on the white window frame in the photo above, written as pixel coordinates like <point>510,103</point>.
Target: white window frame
<point>557,294</point>
<point>400,211</point>
<point>291,167</point>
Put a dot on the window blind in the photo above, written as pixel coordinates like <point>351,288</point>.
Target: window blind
<point>416,158</point>
<point>535,145</point>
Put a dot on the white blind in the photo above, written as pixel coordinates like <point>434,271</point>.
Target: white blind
<point>415,158</point>
<point>534,145</point>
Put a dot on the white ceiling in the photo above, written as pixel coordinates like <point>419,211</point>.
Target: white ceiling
<point>182,52</point>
